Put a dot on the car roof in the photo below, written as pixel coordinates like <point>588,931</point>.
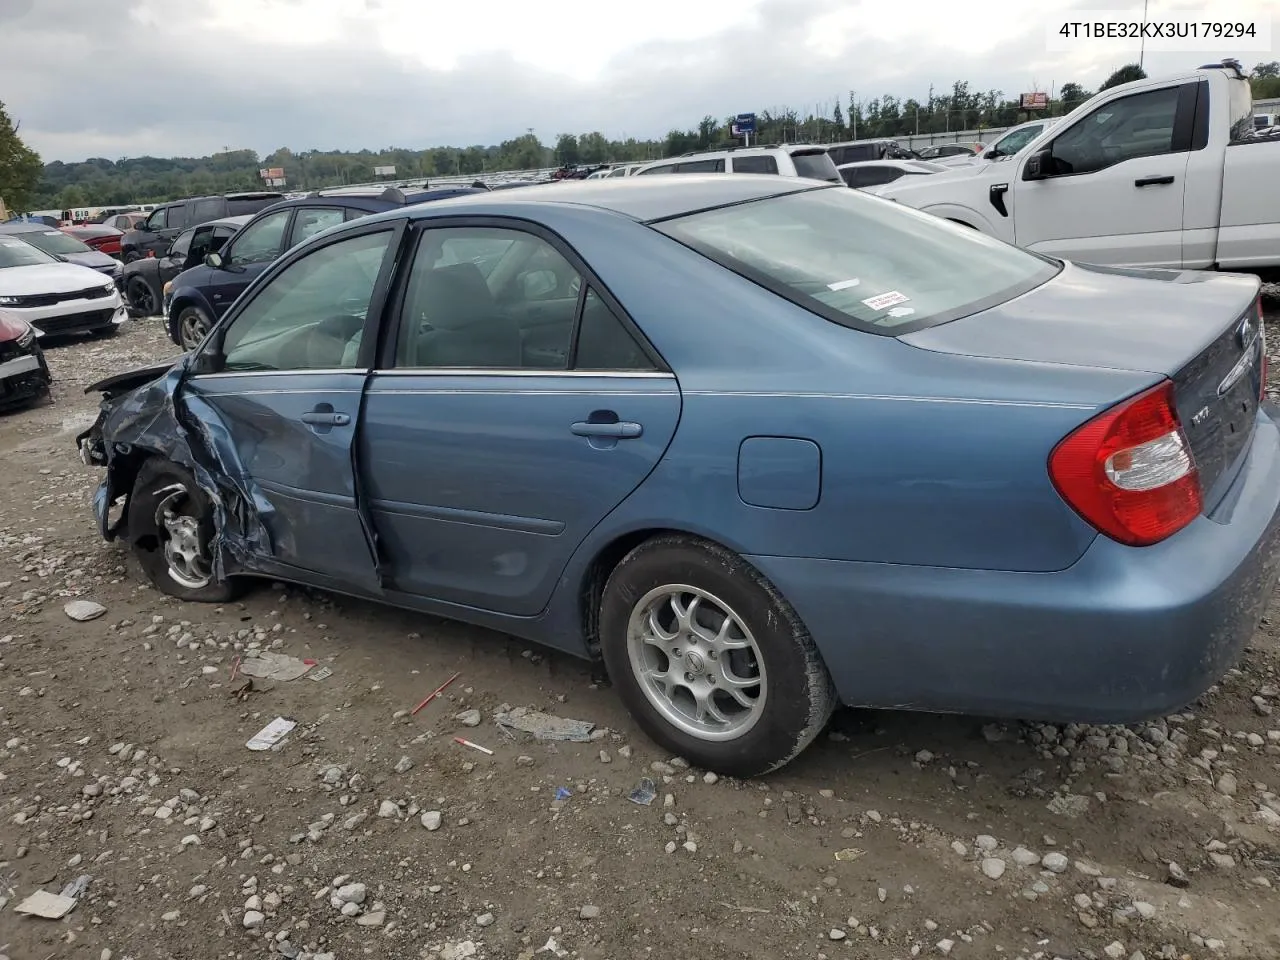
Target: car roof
<point>26,226</point>
<point>641,198</point>
<point>238,221</point>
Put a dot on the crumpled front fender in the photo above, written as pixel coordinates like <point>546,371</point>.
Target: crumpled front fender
<point>160,419</point>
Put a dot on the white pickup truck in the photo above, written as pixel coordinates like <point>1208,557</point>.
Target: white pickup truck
<point>1157,173</point>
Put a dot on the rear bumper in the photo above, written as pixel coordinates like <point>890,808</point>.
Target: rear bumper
<point>1123,635</point>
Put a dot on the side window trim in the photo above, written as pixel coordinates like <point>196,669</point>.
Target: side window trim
<point>385,362</point>
<point>373,325</point>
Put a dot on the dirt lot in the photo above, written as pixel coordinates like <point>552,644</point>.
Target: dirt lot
<point>123,757</point>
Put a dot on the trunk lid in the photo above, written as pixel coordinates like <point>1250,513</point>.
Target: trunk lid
<point>1201,330</point>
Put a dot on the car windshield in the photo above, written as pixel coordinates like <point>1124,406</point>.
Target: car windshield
<point>19,253</point>
<point>55,241</point>
<point>862,262</point>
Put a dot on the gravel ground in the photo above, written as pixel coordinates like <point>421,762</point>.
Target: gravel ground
<point>371,833</point>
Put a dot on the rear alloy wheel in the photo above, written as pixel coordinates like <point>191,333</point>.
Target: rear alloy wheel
<point>171,528</point>
<point>141,297</point>
<point>193,327</point>
<point>710,659</point>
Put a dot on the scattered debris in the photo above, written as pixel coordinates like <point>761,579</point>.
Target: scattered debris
<point>271,735</point>
<point>473,746</point>
<point>849,853</point>
<point>545,726</point>
<point>434,693</point>
<point>275,666</point>
<point>644,793</point>
<point>49,906</point>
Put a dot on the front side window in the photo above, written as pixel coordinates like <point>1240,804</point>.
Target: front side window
<point>181,245</point>
<point>662,168</point>
<point>311,315</point>
<point>202,243</point>
<point>260,242</point>
<point>1140,125</point>
<point>311,220</point>
<point>489,298</point>
<point>874,266</point>
<point>156,221</point>
<point>758,164</point>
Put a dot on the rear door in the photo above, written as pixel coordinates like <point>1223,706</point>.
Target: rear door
<point>494,444</point>
<point>1118,179</point>
<point>287,395</point>
<point>253,249</point>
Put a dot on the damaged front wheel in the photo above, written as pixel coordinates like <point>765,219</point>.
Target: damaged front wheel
<point>172,530</point>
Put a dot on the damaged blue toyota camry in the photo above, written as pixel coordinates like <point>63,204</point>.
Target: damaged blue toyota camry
<point>761,445</point>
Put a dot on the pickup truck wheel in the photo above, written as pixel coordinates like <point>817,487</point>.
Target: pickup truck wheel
<point>172,531</point>
<point>193,326</point>
<point>710,659</point>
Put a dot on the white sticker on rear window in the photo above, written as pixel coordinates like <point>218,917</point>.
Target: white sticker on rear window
<point>843,284</point>
<point>883,300</point>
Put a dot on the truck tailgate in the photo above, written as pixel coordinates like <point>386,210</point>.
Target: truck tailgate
<point>1249,236</point>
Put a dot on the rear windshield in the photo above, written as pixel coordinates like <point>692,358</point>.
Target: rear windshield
<point>239,207</point>
<point>862,262</point>
<point>55,241</point>
<point>816,166</point>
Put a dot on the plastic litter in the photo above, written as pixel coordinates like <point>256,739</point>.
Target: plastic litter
<point>48,906</point>
<point>275,666</point>
<point>563,793</point>
<point>473,746</point>
<point>320,673</point>
<point>544,726</point>
<point>271,735</point>
<point>433,694</point>
<point>644,793</point>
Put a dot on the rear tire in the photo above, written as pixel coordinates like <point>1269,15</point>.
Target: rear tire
<point>710,659</point>
<point>142,297</point>
<point>171,530</point>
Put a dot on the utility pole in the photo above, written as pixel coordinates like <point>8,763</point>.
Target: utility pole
<point>1142,46</point>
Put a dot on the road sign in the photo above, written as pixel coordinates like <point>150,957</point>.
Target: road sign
<point>745,122</point>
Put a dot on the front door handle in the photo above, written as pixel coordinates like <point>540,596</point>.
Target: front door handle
<point>623,430</point>
<point>320,417</point>
<point>1153,181</point>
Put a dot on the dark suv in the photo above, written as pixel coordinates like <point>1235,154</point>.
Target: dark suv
<point>153,236</point>
<point>198,296</point>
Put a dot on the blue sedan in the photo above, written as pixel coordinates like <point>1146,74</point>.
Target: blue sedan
<point>762,445</point>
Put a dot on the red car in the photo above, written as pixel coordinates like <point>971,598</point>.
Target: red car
<point>101,238</point>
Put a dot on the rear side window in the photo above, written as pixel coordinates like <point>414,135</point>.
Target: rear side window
<point>701,166</point>
<point>854,153</point>
<point>309,221</point>
<point>816,165</point>
<point>177,216</point>
<point>759,164</point>
<point>603,342</point>
<point>873,266</point>
<point>664,168</point>
<point>873,176</point>
<point>202,211</point>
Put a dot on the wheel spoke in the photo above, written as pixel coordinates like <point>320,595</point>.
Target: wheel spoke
<point>721,642</point>
<point>707,709</point>
<point>656,635</point>
<point>685,612</point>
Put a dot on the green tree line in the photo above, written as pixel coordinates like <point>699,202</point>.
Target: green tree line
<point>25,185</point>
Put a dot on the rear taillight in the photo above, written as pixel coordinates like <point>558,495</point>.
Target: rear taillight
<point>1129,471</point>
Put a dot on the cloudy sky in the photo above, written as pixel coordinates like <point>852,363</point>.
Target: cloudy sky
<point>120,78</point>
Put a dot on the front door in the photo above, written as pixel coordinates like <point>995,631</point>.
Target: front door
<point>1116,190</point>
<point>516,409</point>
<point>248,254</point>
<point>287,397</point>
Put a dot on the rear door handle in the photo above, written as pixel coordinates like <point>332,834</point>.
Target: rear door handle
<point>321,418</point>
<point>1153,181</point>
<point>623,430</point>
